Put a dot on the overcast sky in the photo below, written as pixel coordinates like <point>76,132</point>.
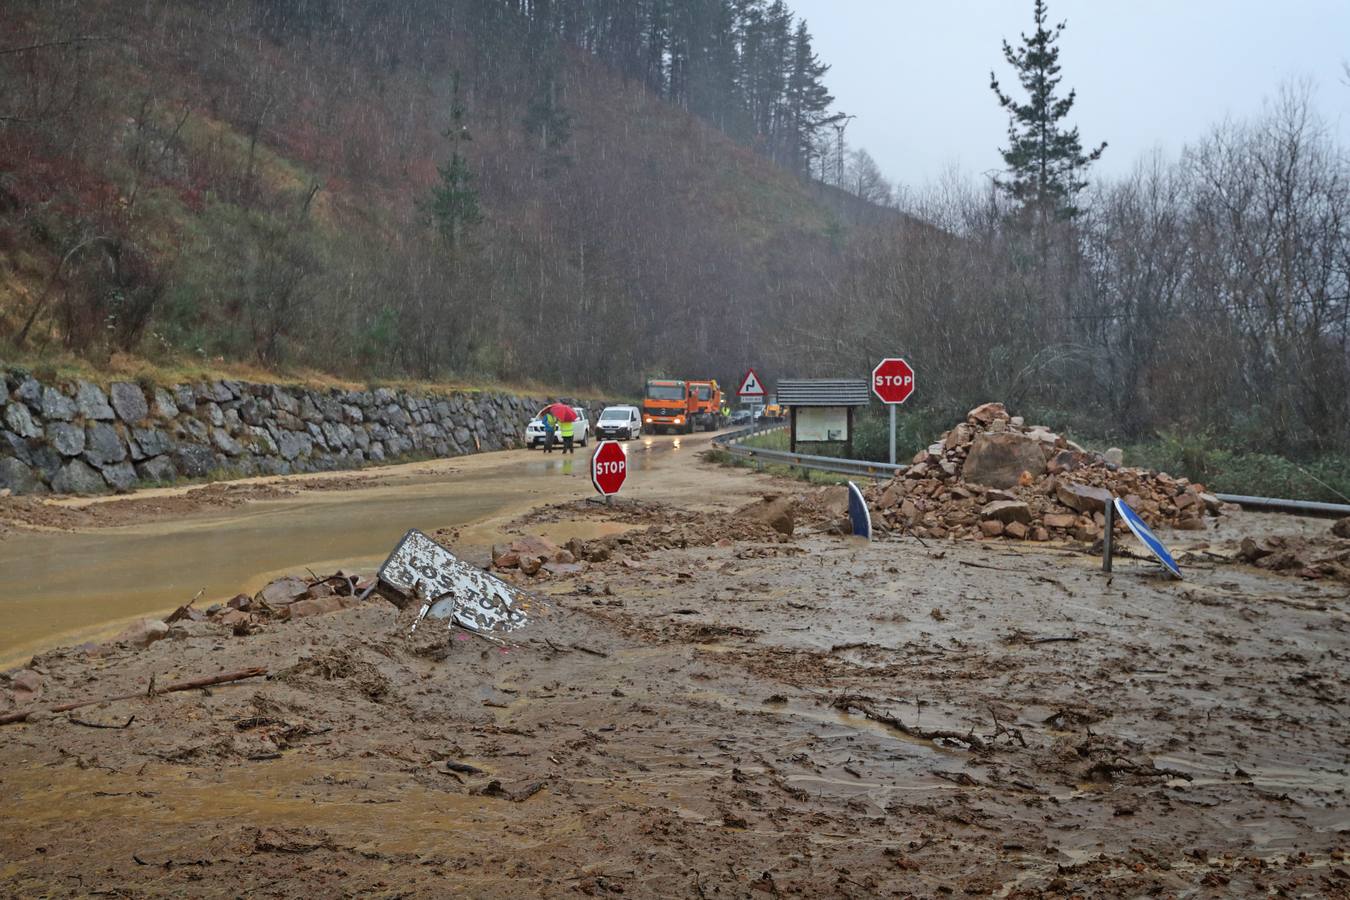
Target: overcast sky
<point>1149,73</point>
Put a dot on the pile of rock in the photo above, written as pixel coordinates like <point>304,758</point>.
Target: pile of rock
<point>994,476</point>
<point>282,600</point>
<point>537,556</point>
<point>1312,557</point>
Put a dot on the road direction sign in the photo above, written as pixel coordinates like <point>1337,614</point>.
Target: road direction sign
<point>751,386</point>
<point>609,467</point>
<point>893,380</point>
<point>1147,537</point>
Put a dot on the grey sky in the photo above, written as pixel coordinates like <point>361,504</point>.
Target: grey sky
<point>1149,73</point>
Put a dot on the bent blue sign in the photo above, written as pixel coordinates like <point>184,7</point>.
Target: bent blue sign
<point>858,514</point>
<point>1147,537</point>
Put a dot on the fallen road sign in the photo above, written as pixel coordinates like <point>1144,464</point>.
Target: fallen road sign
<point>420,568</point>
<point>1147,537</point>
<point>858,514</point>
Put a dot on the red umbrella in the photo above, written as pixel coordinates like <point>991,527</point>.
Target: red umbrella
<point>562,412</point>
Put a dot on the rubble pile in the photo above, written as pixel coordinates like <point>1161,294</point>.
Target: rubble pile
<point>994,476</point>
<point>282,600</point>
<point>1312,558</point>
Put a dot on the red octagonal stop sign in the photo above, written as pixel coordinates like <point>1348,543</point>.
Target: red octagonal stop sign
<point>609,467</point>
<point>893,381</point>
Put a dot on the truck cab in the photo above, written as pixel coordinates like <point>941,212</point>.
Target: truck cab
<point>707,405</point>
<point>668,406</point>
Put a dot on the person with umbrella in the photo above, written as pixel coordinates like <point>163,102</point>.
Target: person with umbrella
<point>550,428</point>
<point>567,417</point>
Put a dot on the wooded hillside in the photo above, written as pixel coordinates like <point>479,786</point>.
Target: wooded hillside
<point>589,191</point>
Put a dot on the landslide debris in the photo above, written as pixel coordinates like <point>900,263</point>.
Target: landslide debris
<point>994,476</point>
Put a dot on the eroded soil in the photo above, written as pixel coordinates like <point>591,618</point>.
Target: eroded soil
<point>725,717</point>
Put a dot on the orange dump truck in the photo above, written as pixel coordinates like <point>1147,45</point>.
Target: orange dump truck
<point>708,402</point>
<point>668,406</point>
<point>681,406</point>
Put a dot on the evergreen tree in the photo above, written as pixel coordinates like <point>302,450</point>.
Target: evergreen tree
<point>1045,160</point>
<point>807,101</point>
<point>454,200</point>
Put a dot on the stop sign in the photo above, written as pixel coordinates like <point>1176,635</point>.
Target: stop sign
<point>893,380</point>
<point>609,467</point>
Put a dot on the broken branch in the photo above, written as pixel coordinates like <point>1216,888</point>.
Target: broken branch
<point>222,678</point>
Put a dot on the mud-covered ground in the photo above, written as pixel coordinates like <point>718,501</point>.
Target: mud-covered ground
<point>733,716</point>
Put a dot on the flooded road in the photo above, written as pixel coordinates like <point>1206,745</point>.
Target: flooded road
<point>79,585</point>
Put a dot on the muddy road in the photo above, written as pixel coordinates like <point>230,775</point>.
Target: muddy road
<point>713,710</point>
<point>96,564</point>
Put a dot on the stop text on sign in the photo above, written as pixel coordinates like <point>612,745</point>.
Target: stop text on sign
<point>896,380</point>
<point>893,381</point>
<point>611,468</point>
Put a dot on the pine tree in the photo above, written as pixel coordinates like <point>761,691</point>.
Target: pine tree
<point>454,200</point>
<point>1045,160</point>
<point>807,101</point>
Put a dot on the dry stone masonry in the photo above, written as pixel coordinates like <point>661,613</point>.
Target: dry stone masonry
<point>83,438</point>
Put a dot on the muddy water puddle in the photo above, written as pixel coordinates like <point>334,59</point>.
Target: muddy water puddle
<point>78,585</point>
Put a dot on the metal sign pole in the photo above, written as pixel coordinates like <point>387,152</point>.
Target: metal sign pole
<point>1106,540</point>
<point>892,406</point>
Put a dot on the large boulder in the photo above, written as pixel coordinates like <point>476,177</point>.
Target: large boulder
<point>998,459</point>
<point>56,406</point>
<point>20,421</point>
<point>148,442</point>
<point>121,477</point>
<point>1342,528</point>
<point>158,470</point>
<point>103,445</point>
<point>29,390</point>
<point>165,406</point>
<point>1007,512</point>
<point>128,400</point>
<point>18,478</point>
<point>194,460</point>
<point>66,438</point>
<point>92,402</point>
<point>1083,497</point>
<point>78,477</point>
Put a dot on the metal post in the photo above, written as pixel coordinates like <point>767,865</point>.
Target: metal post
<point>1110,532</point>
<point>892,406</point>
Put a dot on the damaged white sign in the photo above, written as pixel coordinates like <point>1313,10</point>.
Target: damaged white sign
<point>456,590</point>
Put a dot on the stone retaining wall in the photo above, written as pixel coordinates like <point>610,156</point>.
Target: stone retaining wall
<point>83,438</point>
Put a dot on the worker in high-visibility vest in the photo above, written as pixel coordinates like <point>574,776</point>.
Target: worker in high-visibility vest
<point>566,429</point>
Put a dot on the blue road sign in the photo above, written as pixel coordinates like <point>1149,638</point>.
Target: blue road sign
<point>1147,537</point>
<point>858,515</point>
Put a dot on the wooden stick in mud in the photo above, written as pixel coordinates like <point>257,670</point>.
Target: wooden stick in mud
<point>207,681</point>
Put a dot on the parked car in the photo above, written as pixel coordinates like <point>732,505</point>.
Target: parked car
<point>581,430</point>
<point>619,423</point>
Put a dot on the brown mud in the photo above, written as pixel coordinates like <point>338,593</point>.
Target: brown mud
<point>717,711</point>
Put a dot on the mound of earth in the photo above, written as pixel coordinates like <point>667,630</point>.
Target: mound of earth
<point>995,476</point>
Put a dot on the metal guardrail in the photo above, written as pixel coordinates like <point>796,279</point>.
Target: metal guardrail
<point>859,468</point>
<point>731,443</point>
<point>1278,504</point>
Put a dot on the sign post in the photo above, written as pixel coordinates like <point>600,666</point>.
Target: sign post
<point>609,468</point>
<point>893,382</point>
